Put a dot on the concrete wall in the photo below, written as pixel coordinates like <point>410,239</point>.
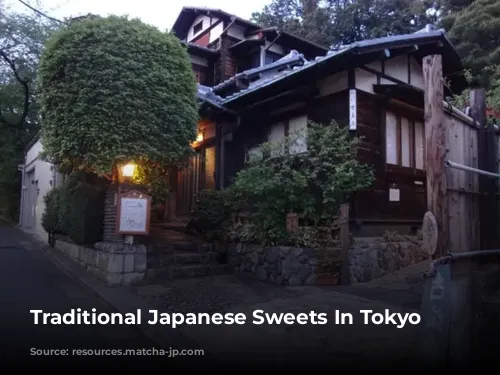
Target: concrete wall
<point>39,178</point>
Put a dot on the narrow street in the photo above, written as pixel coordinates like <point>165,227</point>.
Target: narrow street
<point>28,280</point>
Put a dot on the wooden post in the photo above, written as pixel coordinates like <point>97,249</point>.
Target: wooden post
<point>436,140</point>
<point>345,274</point>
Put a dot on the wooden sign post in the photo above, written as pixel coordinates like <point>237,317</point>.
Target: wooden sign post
<point>133,213</point>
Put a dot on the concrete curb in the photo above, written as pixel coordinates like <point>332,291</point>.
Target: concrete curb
<point>119,300</point>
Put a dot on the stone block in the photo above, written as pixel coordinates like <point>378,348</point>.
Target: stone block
<point>140,263</point>
<point>115,263</point>
<point>113,279</point>
<point>128,263</point>
<point>90,257</point>
<point>131,278</point>
<point>102,261</point>
<point>311,280</point>
<point>261,273</point>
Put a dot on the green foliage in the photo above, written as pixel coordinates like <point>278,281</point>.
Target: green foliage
<point>154,179</point>
<point>475,32</point>
<point>342,22</point>
<point>76,209</point>
<point>23,36</point>
<point>211,214</point>
<point>462,100</point>
<point>312,183</point>
<point>51,218</point>
<point>115,89</point>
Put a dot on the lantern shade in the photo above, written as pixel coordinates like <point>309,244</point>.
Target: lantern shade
<point>128,170</point>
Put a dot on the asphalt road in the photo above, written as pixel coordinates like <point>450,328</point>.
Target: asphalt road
<point>30,281</point>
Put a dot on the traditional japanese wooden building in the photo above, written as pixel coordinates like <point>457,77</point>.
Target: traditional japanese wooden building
<point>375,87</point>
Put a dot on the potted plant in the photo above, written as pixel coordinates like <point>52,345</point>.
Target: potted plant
<point>160,210</point>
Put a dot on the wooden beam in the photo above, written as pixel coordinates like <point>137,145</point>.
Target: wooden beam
<point>436,139</point>
<point>345,275</point>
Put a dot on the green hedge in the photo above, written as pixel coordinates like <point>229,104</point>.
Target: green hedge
<point>76,209</point>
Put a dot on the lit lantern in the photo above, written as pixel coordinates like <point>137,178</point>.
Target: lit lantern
<point>199,137</point>
<point>128,170</point>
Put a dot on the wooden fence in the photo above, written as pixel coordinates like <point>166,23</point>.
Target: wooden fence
<point>471,198</point>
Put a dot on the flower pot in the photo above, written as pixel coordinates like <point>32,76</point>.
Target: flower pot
<point>325,280</point>
<point>160,211</point>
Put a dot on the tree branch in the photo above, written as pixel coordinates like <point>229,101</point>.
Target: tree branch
<point>25,83</point>
<point>40,12</point>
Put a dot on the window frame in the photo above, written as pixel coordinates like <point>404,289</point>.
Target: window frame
<point>200,25</point>
<point>412,120</point>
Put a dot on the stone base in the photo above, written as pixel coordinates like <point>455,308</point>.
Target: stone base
<point>369,258</point>
<point>115,263</point>
<point>279,265</point>
<point>374,257</point>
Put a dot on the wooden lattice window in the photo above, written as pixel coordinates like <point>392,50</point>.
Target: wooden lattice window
<point>404,141</point>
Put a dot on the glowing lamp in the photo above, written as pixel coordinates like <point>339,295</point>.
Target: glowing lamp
<point>128,170</point>
<point>199,137</point>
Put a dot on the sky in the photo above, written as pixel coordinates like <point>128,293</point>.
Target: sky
<point>160,13</point>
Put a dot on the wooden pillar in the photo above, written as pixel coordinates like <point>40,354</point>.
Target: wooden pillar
<point>436,140</point>
<point>345,274</point>
<point>219,157</point>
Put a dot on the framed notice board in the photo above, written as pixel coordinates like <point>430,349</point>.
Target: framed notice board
<point>133,212</point>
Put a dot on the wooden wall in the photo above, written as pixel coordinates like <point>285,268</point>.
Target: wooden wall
<point>463,187</point>
<point>373,205</point>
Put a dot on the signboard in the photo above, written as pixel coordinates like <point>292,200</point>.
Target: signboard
<point>133,213</point>
<point>353,121</point>
<point>429,233</point>
<point>394,195</point>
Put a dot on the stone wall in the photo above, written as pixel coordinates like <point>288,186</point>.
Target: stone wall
<point>369,258</point>
<point>115,263</point>
<point>279,265</point>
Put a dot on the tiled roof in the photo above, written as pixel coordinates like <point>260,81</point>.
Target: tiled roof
<point>270,74</point>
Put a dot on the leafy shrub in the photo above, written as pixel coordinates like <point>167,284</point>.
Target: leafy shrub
<point>76,209</point>
<point>51,218</point>
<point>313,183</point>
<point>211,214</point>
<point>113,89</point>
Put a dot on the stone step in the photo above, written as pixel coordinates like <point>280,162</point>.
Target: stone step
<point>185,246</point>
<point>190,257</point>
<point>187,270</point>
<point>198,270</point>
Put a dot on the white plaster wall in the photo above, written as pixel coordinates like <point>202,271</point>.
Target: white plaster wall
<point>298,127</point>
<point>365,80</point>
<point>236,31</point>
<point>397,67</point>
<point>198,60</point>
<point>216,32</point>
<point>206,24</point>
<point>332,84</point>
<point>276,48</point>
<point>416,74</point>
